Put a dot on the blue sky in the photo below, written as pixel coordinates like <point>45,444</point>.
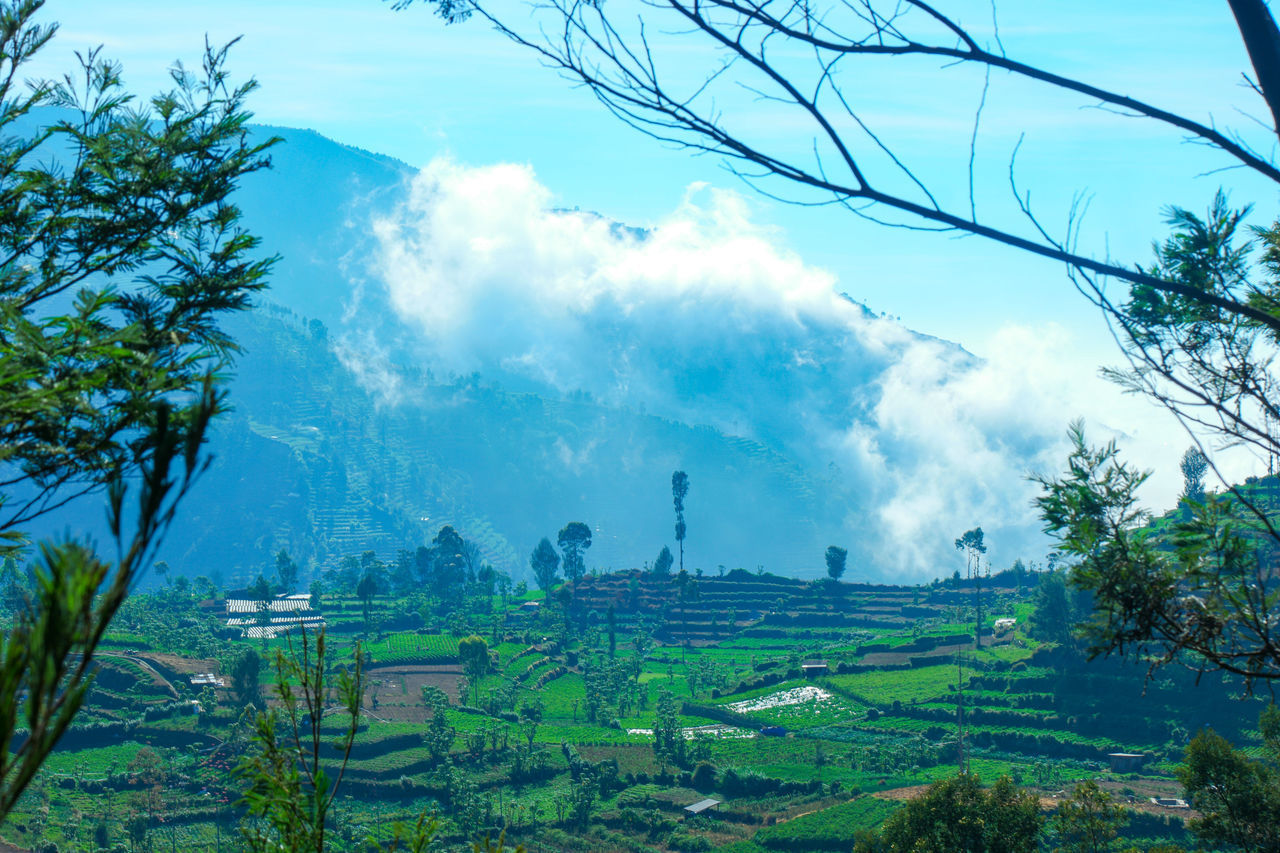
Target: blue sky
<point>403,84</point>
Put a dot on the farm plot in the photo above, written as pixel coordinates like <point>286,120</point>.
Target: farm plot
<point>414,648</point>
<point>904,685</point>
<point>402,686</point>
<point>799,707</point>
<point>829,829</point>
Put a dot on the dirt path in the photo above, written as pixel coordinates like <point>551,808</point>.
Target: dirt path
<point>1048,803</point>
<point>146,666</point>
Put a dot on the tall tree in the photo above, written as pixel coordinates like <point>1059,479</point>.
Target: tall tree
<point>119,252</point>
<point>286,571</point>
<point>680,489</point>
<point>365,591</point>
<point>545,563</point>
<point>836,557</point>
<point>574,539</point>
<point>1193,465</point>
<point>1054,614</point>
<point>473,652</point>
<point>449,560</point>
<point>974,545</point>
<point>246,669</point>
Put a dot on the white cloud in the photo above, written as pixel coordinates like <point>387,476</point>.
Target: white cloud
<point>705,317</point>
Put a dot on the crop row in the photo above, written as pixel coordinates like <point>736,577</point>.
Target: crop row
<point>829,829</point>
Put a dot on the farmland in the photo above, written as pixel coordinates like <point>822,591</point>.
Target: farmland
<point>566,709</point>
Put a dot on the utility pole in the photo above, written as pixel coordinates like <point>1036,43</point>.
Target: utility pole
<point>964,763</point>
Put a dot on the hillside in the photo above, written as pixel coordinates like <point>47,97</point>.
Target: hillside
<point>353,428</point>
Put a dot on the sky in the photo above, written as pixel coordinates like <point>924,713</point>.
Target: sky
<point>404,84</point>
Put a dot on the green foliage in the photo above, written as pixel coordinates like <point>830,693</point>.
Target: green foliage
<point>1205,596</point>
<point>836,557</point>
<point>679,491</point>
<point>1088,821</point>
<point>662,565</point>
<point>668,735</point>
<point>246,670</point>
<point>574,539</point>
<point>1055,613</point>
<point>545,562</point>
<point>439,736</point>
<point>1238,797</point>
<point>290,791</point>
<point>956,814</point>
<point>107,382</point>
<point>286,571</point>
<point>834,828</point>
<point>473,651</point>
<point>1193,466</point>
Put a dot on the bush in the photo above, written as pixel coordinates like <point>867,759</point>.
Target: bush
<point>704,777</point>
<point>688,843</point>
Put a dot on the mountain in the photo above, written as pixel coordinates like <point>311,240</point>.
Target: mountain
<point>448,346</point>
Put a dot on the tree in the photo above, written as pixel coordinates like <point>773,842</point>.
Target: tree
<point>662,565</point>
<point>545,563</point>
<point>119,251</point>
<point>1088,821</point>
<point>286,571</point>
<point>246,670</point>
<point>291,787</point>
<point>449,562</point>
<point>574,539</point>
<point>260,593</point>
<point>679,490</point>
<point>1193,466</point>
<point>1208,594</point>
<point>836,557</point>
<point>973,544</point>
<point>1238,797</point>
<point>473,652</point>
<point>440,735</point>
<point>957,814</point>
<point>1054,613</point>
<point>668,736</point>
<point>366,590</point>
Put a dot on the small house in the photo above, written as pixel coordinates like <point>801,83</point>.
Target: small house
<point>1170,802</point>
<point>1125,762</point>
<point>1005,624</point>
<point>701,806</point>
<point>814,668</point>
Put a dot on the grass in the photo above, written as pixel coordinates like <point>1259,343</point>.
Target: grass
<point>904,685</point>
<point>832,828</point>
